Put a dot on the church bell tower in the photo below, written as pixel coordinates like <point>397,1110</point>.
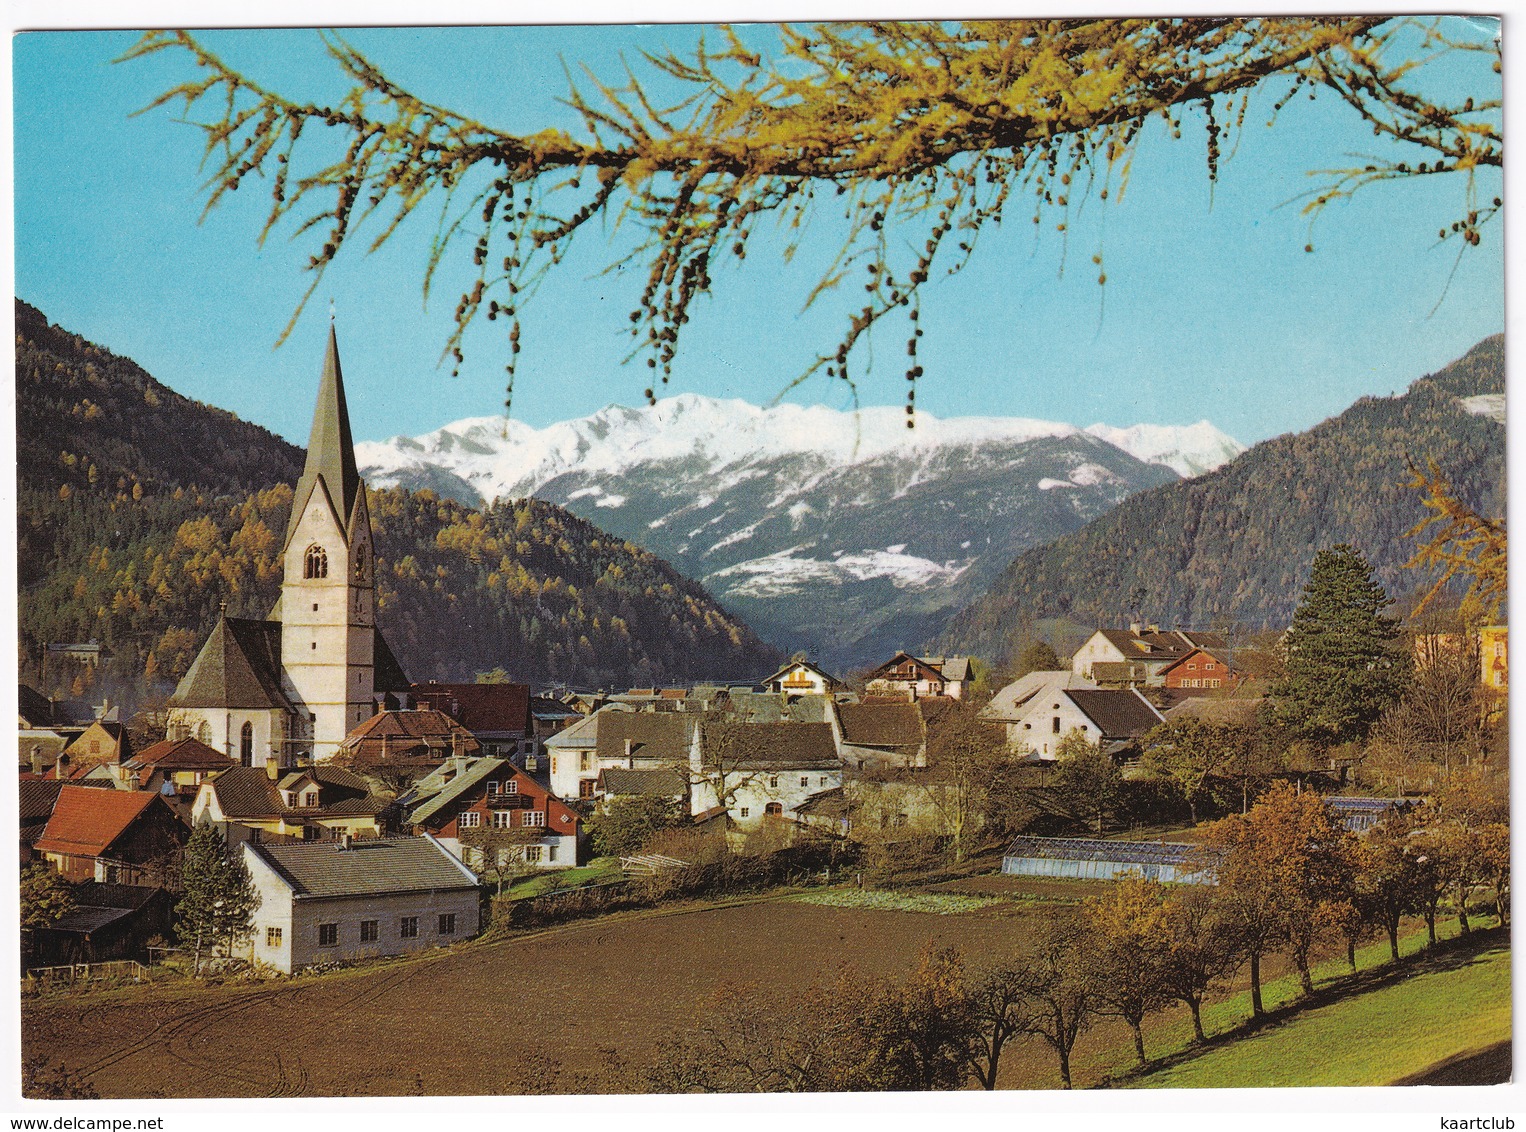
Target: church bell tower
<point>328,593</point>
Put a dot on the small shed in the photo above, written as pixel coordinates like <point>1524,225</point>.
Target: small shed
<point>1088,858</point>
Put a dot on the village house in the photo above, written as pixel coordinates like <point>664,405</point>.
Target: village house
<point>1113,718</point>
<point>496,715</point>
<point>39,749</point>
<point>173,767</point>
<point>1200,670</point>
<point>1012,703</point>
<point>265,803</point>
<point>37,799</point>
<point>334,902</point>
<point>1494,656</point>
<point>399,747</point>
<point>467,795</point>
<point>104,741</point>
<point>667,783</point>
<point>801,676</point>
<point>1139,656</point>
<point>882,736</point>
<point>291,687</point>
<point>760,772</point>
<point>915,678</point>
<point>572,755</point>
<point>115,836</point>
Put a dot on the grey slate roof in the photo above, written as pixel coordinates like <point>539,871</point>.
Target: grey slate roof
<point>330,451</point>
<point>806,746</point>
<point>1118,714</point>
<point>665,782</point>
<point>366,868</point>
<point>663,736</point>
<point>881,725</point>
<point>238,667</point>
<point>247,792</point>
<point>1011,700</point>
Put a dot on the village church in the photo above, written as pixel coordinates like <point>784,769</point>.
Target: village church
<point>289,688</point>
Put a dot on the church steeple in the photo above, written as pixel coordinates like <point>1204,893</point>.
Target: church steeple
<point>330,451</point>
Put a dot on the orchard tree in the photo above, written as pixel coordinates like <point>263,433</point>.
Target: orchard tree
<point>1344,662</point>
<point>928,129</point>
<point>1127,953</point>
<point>1059,992</point>
<point>1202,948</point>
<point>1390,881</point>
<point>1276,867</point>
<point>965,754</point>
<point>218,898</point>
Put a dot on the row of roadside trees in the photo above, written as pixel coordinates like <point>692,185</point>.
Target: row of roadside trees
<point>1290,882</point>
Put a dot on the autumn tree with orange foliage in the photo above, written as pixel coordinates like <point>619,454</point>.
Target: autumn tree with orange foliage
<point>1277,867</point>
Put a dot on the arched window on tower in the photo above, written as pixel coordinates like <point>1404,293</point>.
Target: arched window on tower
<point>246,745</point>
<point>204,732</point>
<point>316,563</point>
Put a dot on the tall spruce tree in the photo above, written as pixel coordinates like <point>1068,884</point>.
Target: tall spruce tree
<point>1344,664</point>
<point>218,898</point>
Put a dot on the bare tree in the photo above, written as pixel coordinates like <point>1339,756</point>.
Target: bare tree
<point>1058,992</point>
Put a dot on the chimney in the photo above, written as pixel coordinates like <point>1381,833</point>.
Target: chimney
<point>273,769</point>
<point>627,748</point>
<point>1135,627</point>
<point>346,841</point>
<point>455,744</point>
<point>37,759</point>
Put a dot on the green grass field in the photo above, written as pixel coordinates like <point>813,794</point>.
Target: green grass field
<point>1371,1038</point>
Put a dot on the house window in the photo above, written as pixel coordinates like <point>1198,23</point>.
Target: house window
<point>823,781</point>
<point>204,732</point>
<point>328,935</point>
<point>773,782</point>
<point>534,817</point>
<point>1055,725</point>
<point>408,927</point>
<point>469,820</point>
<point>1213,683</point>
<point>1209,667</point>
<point>1192,664</point>
<point>774,809</point>
<point>370,931</point>
<point>272,937</point>
<point>246,744</point>
<point>315,563</point>
<point>900,820</point>
<point>492,788</point>
<point>805,780</point>
<point>1499,648</point>
<point>447,923</point>
<point>533,854</point>
<point>586,787</point>
<point>584,762</point>
<point>502,819</point>
<point>743,812</point>
<point>511,787</point>
<point>310,798</point>
<point>550,853</point>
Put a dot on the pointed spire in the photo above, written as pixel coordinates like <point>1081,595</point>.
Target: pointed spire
<point>330,451</point>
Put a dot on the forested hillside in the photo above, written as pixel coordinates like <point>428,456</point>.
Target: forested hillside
<point>137,518</point>
<point>1235,545</point>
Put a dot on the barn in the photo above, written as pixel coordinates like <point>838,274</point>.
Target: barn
<point>1089,858</point>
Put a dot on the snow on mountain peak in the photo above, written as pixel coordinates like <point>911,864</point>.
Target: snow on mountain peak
<point>1188,450</point>
<point>514,459</point>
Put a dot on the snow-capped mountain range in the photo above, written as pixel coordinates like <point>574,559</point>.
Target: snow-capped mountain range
<point>843,533</point>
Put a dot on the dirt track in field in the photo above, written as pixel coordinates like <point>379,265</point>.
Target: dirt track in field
<point>466,1021</point>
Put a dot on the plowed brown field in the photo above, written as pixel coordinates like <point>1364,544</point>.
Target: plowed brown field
<point>479,1018</point>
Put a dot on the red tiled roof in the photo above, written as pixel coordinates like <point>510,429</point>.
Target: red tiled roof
<point>183,754</point>
<point>479,707</point>
<point>85,822</point>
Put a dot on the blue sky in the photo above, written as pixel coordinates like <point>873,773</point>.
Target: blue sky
<point>1212,308</point>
